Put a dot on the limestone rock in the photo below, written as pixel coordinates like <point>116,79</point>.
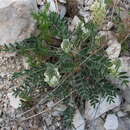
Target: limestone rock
<point>126,107</point>
<point>92,113</point>
<point>97,125</point>
<point>62,10</point>
<point>78,121</point>
<point>75,22</point>
<point>113,51</point>
<point>125,64</point>
<point>53,6</point>
<point>124,124</point>
<point>6,3</point>
<point>126,95</point>
<point>124,67</point>
<point>62,1</point>
<point>40,2</point>
<point>111,122</point>
<point>121,114</point>
<point>14,102</point>
<point>16,22</point>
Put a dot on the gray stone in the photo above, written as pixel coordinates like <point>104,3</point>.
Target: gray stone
<point>62,10</point>
<point>16,22</point>
<point>53,5</point>
<point>124,67</point>
<point>111,122</point>
<point>74,24</point>
<point>92,113</point>
<point>125,64</point>
<point>97,125</point>
<point>78,121</point>
<point>6,3</point>
<point>124,124</point>
<point>113,51</point>
<point>126,107</point>
<point>126,95</point>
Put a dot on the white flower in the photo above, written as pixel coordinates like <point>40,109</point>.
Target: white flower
<point>66,45</point>
<point>85,30</point>
<point>14,101</point>
<point>52,76</point>
<point>114,68</point>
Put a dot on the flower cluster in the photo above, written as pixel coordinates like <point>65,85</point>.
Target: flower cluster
<point>52,75</point>
<point>114,69</point>
<point>66,46</point>
<point>98,12</point>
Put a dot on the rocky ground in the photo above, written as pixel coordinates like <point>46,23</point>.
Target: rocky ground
<point>17,24</point>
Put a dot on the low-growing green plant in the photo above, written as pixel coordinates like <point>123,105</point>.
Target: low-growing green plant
<point>65,63</point>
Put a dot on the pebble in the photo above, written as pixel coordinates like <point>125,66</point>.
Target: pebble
<point>113,51</point>
<point>111,122</point>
